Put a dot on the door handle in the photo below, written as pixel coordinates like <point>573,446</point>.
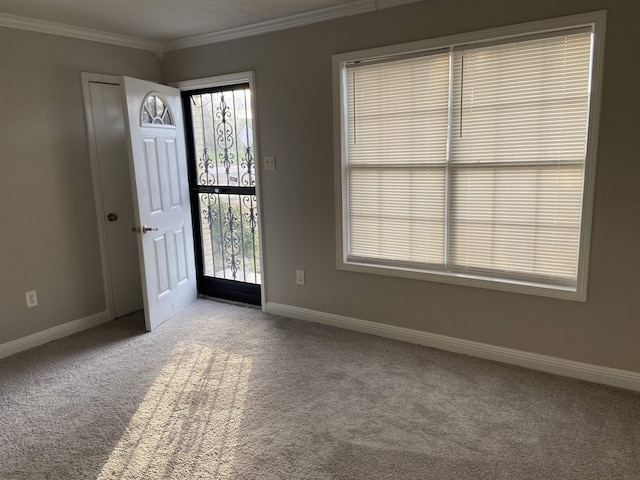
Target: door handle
<point>144,229</point>
<point>112,217</point>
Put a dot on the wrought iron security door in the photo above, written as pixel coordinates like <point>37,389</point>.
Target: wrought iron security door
<point>219,122</point>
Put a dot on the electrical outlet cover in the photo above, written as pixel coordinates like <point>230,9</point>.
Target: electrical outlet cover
<point>32,298</point>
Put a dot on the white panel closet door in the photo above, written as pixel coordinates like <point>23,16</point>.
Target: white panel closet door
<point>115,187</point>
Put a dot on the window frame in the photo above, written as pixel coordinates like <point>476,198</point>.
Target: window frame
<point>596,21</point>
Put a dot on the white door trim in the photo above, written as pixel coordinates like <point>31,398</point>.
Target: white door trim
<point>87,78</point>
<point>223,81</point>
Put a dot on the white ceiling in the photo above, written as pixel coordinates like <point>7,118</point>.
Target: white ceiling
<point>164,21</point>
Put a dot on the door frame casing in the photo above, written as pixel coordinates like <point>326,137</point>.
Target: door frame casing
<point>86,79</point>
<point>228,80</point>
<point>207,82</point>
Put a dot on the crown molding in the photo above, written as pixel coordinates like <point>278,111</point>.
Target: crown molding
<point>292,21</point>
<point>353,8</point>
<point>62,29</point>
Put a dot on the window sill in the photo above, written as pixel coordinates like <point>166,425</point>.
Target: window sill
<point>469,280</point>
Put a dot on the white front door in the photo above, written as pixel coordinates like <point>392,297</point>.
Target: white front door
<point>157,159</point>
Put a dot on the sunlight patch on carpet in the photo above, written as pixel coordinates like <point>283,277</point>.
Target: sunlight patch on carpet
<point>187,425</point>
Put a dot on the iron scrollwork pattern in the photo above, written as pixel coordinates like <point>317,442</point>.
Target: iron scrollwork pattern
<point>206,166</point>
<point>251,220</point>
<point>230,236</point>
<point>231,241</point>
<point>223,137</point>
<point>248,178</point>
<point>210,216</point>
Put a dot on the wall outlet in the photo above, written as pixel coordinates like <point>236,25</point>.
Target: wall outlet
<point>300,277</point>
<point>269,162</point>
<point>32,298</point>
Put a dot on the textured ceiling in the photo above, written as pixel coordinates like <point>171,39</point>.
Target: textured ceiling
<point>162,20</point>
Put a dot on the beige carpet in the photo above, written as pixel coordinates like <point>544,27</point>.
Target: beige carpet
<point>228,392</point>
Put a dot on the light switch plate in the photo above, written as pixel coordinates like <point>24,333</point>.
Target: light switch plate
<point>269,162</point>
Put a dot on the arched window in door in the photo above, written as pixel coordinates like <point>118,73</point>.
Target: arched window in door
<point>156,111</point>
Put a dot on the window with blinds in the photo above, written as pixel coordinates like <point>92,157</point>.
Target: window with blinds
<point>469,160</point>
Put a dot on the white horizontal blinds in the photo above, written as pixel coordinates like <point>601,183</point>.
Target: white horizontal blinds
<point>397,214</point>
<point>518,144</point>
<point>397,110</point>
<point>518,220</point>
<point>397,117</point>
<point>523,101</point>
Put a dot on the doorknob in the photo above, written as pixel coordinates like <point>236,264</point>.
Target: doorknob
<point>144,229</point>
<point>112,217</point>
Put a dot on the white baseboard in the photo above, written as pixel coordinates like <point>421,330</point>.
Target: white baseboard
<point>568,368</point>
<point>50,334</point>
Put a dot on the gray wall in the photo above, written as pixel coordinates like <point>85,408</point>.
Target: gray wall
<point>293,75</point>
<point>48,230</point>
